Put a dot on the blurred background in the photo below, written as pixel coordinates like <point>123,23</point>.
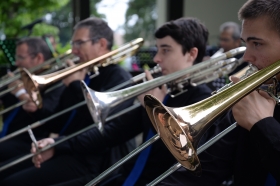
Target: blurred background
<point>129,19</point>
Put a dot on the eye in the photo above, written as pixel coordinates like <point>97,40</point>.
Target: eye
<point>257,43</point>
<point>165,50</point>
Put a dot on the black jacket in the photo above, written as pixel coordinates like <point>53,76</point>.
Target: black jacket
<point>23,118</point>
<point>109,77</point>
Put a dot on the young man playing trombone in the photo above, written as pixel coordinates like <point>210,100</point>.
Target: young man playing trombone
<point>254,150</point>
<point>180,44</point>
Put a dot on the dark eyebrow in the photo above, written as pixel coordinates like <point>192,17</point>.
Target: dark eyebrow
<point>165,45</point>
<point>250,39</point>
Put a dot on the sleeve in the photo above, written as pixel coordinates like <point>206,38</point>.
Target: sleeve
<point>50,102</point>
<point>115,132</point>
<point>265,135</point>
<point>69,96</point>
<point>114,76</point>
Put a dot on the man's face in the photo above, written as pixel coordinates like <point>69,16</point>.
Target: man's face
<point>23,58</point>
<point>262,42</point>
<point>170,57</point>
<point>227,42</point>
<point>83,46</point>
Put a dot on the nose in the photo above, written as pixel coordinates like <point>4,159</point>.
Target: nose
<point>248,56</point>
<point>17,63</point>
<point>157,58</point>
<point>75,50</point>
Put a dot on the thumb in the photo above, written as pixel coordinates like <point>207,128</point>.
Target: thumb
<point>70,62</point>
<point>148,75</point>
<point>10,74</point>
<point>42,143</point>
<point>234,79</point>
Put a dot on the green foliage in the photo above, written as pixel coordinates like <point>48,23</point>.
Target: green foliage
<point>62,48</point>
<point>140,19</point>
<point>17,13</point>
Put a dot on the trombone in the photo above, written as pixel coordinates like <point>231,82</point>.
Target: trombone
<point>5,80</point>
<point>47,67</point>
<point>182,128</point>
<point>155,137</point>
<point>99,103</point>
<point>33,83</point>
<point>189,126</point>
<point>136,79</point>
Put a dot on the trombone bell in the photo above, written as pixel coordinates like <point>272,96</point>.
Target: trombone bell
<point>182,128</point>
<point>31,87</point>
<point>94,105</point>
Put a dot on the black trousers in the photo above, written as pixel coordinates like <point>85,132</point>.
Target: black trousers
<point>59,171</point>
<point>14,148</point>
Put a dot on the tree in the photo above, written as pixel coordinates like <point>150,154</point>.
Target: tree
<point>140,19</point>
<point>17,13</point>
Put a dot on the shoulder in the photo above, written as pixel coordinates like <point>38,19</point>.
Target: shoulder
<point>191,96</point>
<point>114,69</point>
<point>199,92</point>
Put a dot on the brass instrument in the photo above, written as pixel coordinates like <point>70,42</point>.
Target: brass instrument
<point>33,83</point>
<point>136,79</point>
<point>49,64</point>
<point>49,69</point>
<point>153,139</point>
<point>46,67</point>
<point>181,128</point>
<point>100,103</point>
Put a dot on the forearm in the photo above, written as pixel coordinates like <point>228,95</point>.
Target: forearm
<point>265,135</point>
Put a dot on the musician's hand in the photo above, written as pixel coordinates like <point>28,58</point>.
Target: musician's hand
<point>30,106</point>
<point>252,108</point>
<point>17,83</point>
<point>79,75</point>
<point>40,158</point>
<point>158,93</point>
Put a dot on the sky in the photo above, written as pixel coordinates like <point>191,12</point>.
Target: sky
<point>115,13</point>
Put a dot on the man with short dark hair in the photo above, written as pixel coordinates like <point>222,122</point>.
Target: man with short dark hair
<point>30,52</point>
<point>257,112</point>
<point>250,153</point>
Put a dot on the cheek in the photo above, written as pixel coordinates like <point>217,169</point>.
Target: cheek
<point>265,61</point>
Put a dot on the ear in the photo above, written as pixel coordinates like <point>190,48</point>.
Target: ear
<point>193,53</point>
<point>39,59</point>
<point>103,43</point>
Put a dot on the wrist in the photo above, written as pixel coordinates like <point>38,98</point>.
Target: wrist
<point>20,92</point>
